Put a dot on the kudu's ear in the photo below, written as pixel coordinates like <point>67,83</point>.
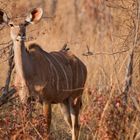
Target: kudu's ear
<point>3,17</point>
<point>34,16</point>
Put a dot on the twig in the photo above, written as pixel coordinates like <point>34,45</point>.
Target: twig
<point>4,98</point>
<point>6,59</point>
<point>11,66</point>
<point>128,76</point>
<point>9,42</point>
<point>135,102</point>
<point>104,112</point>
<point>36,131</point>
<point>104,53</point>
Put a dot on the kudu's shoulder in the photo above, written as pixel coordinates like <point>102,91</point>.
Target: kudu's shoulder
<point>37,54</point>
<point>34,48</point>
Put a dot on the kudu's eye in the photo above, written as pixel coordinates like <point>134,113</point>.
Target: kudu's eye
<point>11,25</point>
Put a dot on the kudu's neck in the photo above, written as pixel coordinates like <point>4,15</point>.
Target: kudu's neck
<point>21,57</point>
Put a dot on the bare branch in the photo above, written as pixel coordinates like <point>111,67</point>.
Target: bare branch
<point>104,53</point>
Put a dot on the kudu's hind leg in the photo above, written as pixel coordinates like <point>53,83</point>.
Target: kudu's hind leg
<point>47,114</point>
<point>65,109</point>
<point>75,106</point>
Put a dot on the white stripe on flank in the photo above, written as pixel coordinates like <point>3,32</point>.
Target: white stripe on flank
<point>57,77</point>
<point>71,72</point>
<point>62,70</point>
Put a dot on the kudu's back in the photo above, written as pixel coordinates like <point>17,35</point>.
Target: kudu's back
<point>61,73</point>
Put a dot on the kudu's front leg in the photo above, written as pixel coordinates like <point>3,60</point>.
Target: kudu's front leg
<point>75,106</point>
<point>47,114</point>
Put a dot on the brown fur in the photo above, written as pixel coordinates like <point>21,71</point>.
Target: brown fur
<point>55,72</point>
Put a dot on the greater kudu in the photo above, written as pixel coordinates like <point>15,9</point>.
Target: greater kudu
<point>56,77</point>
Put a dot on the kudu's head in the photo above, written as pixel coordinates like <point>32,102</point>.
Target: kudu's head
<point>18,32</point>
